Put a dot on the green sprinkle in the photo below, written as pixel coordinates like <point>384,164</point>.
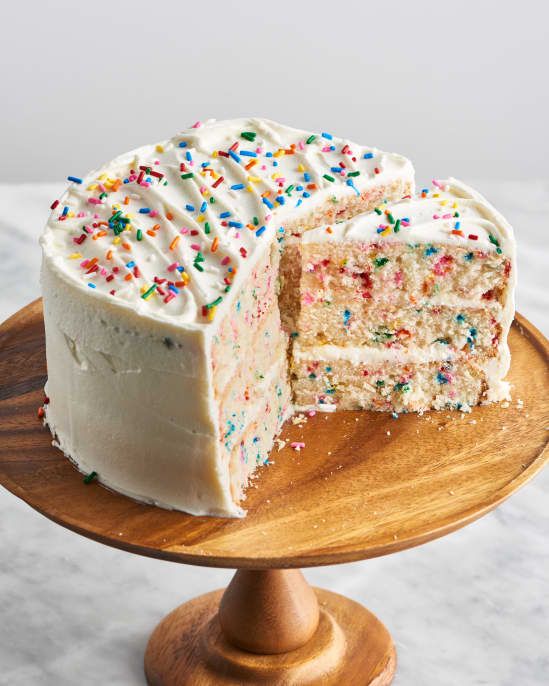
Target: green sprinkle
<point>390,218</point>
<point>255,221</point>
<point>116,215</point>
<point>139,235</point>
<point>380,383</point>
<point>102,195</point>
<point>147,294</point>
<point>249,135</point>
<point>198,266</point>
<point>207,227</point>
<point>403,387</point>
<point>357,173</point>
<point>212,200</point>
<point>329,178</point>
<point>290,189</point>
<point>90,477</point>
<point>380,261</point>
<point>310,139</point>
<point>215,303</point>
<point>199,257</point>
<point>493,240</point>
<point>377,210</point>
<point>189,175</point>
<point>396,227</point>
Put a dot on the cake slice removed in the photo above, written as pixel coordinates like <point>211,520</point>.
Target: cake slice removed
<point>406,308</point>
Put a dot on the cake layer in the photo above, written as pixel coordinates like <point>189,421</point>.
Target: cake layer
<point>389,385</point>
<point>370,324</point>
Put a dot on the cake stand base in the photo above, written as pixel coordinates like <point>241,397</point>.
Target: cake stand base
<point>196,643</point>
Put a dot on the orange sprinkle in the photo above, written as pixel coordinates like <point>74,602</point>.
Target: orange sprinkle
<point>457,232</point>
<point>108,256</point>
<point>329,229</point>
<point>126,246</point>
<point>128,277</point>
<point>215,244</point>
<point>251,164</point>
<point>174,242</point>
<point>99,234</point>
<point>92,262</point>
<point>156,227</point>
<point>265,194</point>
<point>169,216</point>
<point>150,232</point>
<point>116,185</point>
<point>126,200</point>
<point>311,186</point>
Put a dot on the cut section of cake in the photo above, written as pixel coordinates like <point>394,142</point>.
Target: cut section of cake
<point>406,308</point>
<point>167,361</point>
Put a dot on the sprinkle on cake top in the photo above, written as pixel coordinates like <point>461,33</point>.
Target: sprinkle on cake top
<point>168,229</point>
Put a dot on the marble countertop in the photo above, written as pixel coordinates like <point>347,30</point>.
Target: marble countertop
<point>470,609</point>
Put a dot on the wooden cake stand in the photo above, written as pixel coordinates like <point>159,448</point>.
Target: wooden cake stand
<point>364,485</point>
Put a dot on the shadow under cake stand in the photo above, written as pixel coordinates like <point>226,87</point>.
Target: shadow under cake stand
<point>365,485</point>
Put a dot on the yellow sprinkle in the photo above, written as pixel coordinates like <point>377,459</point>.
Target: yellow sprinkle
<point>75,256</point>
<point>300,168</point>
<point>455,205</point>
<point>184,277</point>
<point>249,189</point>
<point>91,187</point>
<point>444,202</point>
<point>214,154</point>
<point>70,214</point>
<point>279,153</point>
<point>101,177</point>
<point>200,218</point>
<point>116,240</point>
<point>159,148</point>
<point>436,195</point>
<point>211,313</point>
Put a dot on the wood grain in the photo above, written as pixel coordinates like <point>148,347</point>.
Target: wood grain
<point>350,646</point>
<point>365,484</point>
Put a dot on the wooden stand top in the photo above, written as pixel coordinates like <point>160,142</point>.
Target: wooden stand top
<point>365,484</point>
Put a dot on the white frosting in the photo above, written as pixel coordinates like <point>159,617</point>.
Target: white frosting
<point>184,222</point>
<point>429,217</point>
<point>130,378</point>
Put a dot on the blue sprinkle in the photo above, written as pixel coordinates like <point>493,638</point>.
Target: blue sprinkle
<point>350,183</point>
<point>189,208</point>
<point>346,316</point>
<point>182,144</point>
<point>260,231</point>
<point>235,157</point>
<point>268,154</point>
<point>275,164</point>
<point>424,190</point>
<point>204,164</point>
<point>441,378</point>
<point>248,153</point>
<point>180,269</point>
<point>332,147</point>
<point>431,250</point>
<point>280,199</point>
<point>224,215</point>
<point>188,156</point>
<point>236,225</point>
<point>204,206</point>
<point>306,194</point>
<point>457,225</point>
<point>173,289</point>
<point>336,170</point>
<point>327,135</point>
<point>298,203</point>
<point>65,211</point>
<point>74,179</point>
<point>237,187</point>
<point>267,202</point>
<point>144,210</point>
<point>460,318</point>
<point>91,285</point>
<point>299,188</point>
<point>368,155</point>
<point>307,177</point>
<point>130,264</point>
<point>469,256</point>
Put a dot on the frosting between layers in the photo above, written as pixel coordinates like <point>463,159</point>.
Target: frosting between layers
<point>168,229</point>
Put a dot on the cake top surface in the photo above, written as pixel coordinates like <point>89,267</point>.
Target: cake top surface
<point>169,229</point>
<point>449,212</point>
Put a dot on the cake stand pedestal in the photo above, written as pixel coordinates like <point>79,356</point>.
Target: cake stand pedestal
<point>364,485</point>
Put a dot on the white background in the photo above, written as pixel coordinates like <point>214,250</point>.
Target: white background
<point>459,87</point>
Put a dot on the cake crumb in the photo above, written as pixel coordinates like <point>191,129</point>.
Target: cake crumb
<point>280,443</point>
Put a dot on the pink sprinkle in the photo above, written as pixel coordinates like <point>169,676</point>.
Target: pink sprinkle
<point>436,216</point>
<point>81,214</point>
<point>203,189</point>
<point>267,217</point>
<point>173,266</point>
<point>297,445</point>
<point>88,229</point>
<point>184,230</point>
<point>263,167</point>
<point>403,222</point>
<point>326,148</point>
<point>196,125</point>
<point>145,184</point>
<point>438,184</point>
<point>195,246</point>
<point>102,188</point>
<point>447,216</point>
<point>157,161</point>
<point>95,201</point>
<point>225,260</point>
<point>84,263</point>
<point>132,177</point>
<point>307,299</point>
<point>300,145</point>
<point>169,297</point>
<point>103,271</point>
<point>259,150</point>
<point>95,215</point>
<point>153,213</point>
<point>311,413</point>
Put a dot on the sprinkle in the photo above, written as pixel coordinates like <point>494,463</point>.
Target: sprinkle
<point>41,412</point>
<point>396,227</point>
<point>327,136</point>
<point>234,156</point>
<point>297,445</point>
<point>215,244</point>
<point>182,144</point>
<point>54,204</point>
<point>174,242</point>
<point>237,187</point>
<point>267,202</point>
<point>368,155</point>
<point>216,183</point>
<point>249,135</point>
<point>188,175</point>
<point>381,261</point>
<point>139,235</point>
<point>328,178</point>
<point>91,285</point>
<point>144,210</point>
<point>147,294</point>
<point>74,179</point>
<point>260,231</point>
<point>90,477</point>
<point>215,303</point>
<point>473,237</point>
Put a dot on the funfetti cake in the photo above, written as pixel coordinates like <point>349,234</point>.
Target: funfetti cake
<point>167,362</point>
<point>406,308</point>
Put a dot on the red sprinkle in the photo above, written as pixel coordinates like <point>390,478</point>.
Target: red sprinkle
<point>54,204</point>
<point>40,412</point>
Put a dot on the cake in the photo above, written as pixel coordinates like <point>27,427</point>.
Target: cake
<point>197,291</point>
